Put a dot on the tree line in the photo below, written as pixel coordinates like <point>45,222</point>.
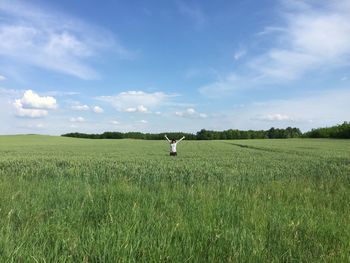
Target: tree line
<point>341,131</point>
<point>201,135</point>
<point>338,131</point>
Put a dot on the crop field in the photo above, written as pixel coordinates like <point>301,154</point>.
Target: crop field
<point>81,200</point>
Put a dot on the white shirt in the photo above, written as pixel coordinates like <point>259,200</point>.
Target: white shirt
<point>173,145</point>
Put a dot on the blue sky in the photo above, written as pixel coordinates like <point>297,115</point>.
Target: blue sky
<point>154,66</point>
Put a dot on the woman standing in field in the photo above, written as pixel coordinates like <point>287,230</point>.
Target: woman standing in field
<point>173,144</point>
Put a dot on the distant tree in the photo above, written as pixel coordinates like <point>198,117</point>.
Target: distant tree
<point>341,131</point>
<point>338,131</point>
<point>203,135</point>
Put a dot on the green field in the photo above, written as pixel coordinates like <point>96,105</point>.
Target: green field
<point>80,200</point>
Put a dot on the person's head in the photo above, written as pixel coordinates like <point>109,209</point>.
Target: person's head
<point>173,141</point>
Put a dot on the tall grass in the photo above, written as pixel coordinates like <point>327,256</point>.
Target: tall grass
<point>76,200</point>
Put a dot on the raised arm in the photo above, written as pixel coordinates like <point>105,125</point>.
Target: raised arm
<point>181,139</point>
<point>166,137</point>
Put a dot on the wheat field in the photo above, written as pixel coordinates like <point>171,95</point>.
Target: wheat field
<point>81,200</point>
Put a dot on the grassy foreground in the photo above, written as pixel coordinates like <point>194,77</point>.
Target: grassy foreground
<point>77,200</point>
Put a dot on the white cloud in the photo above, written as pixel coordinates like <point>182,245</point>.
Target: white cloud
<point>190,113</point>
<point>31,99</point>
<point>30,113</point>
<point>137,101</point>
<point>51,40</point>
<point>143,121</point>
<point>327,106</point>
<point>77,119</point>
<point>32,105</point>
<point>115,122</point>
<point>275,117</point>
<point>97,109</point>
<point>130,109</point>
<point>140,108</point>
<point>79,107</point>
<point>2,78</point>
<point>304,111</point>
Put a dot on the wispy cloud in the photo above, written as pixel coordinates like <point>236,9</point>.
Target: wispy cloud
<point>61,93</point>
<point>311,36</point>
<point>192,12</point>
<point>51,40</point>
<point>239,54</point>
<point>2,78</point>
<point>79,107</point>
<point>270,30</point>
<point>137,101</point>
<point>11,93</point>
<point>223,85</point>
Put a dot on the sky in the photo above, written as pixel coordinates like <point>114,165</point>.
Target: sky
<point>176,65</point>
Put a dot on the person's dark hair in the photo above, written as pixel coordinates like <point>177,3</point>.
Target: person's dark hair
<point>173,140</point>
